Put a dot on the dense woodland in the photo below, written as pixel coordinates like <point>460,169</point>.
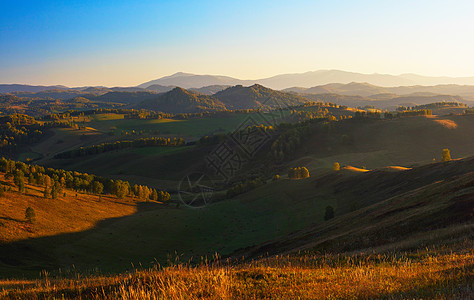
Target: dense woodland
<point>138,143</point>
<point>18,130</point>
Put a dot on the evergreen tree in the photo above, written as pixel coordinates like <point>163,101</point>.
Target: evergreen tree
<point>19,180</point>
<point>30,215</point>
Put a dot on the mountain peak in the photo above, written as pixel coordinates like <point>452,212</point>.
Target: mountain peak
<point>179,74</point>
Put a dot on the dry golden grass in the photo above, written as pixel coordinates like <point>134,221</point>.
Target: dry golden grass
<point>55,216</point>
<point>414,275</point>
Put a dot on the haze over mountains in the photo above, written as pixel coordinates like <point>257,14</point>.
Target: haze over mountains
<point>279,82</point>
<point>307,80</point>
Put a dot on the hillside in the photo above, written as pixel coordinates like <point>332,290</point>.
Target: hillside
<point>279,217</point>
<point>422,207</point>
<point>257,96</point>
<point>179,100</point>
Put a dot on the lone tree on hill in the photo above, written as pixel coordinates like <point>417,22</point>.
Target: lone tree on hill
<point>329,213</point>
<point>30,215</point>
<point>445,155</point>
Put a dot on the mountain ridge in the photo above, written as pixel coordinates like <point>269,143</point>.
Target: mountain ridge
<point>308,79</point>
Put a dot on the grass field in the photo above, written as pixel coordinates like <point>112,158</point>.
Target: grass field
<point>189,129</point>
<point>417,275</point>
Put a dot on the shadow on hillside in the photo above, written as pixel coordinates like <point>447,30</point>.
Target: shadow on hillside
<point>28,258</point>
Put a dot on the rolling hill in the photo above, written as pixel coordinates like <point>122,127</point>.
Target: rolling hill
<point>8,88</point>
<point>179,100</point>
<point>257,96</point>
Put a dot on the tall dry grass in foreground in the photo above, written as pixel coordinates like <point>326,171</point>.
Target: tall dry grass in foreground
<point>414,275</point>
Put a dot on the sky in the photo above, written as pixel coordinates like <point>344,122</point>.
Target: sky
<point>125,43</point>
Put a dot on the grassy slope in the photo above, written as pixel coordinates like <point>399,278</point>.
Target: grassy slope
<point>264,214</point>
<point>403,215</point>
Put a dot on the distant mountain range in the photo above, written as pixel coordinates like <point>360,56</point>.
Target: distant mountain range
<point>278,82</point>
<point>307,80</point>
<point>373,91</point>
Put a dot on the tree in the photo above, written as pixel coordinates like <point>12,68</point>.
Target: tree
<point>154,195</point>
<point>445,155</point>
<point>97,188</point>
<point>329,214</point>
<point>47,192</point>
<point>336,166</point>
<point>56,189</point>
<point>30,215</point>
<point>19,179</point>
<point>304,173</point>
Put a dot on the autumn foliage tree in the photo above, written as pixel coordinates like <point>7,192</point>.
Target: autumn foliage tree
<point>298,173</point>
<point>445,155</point>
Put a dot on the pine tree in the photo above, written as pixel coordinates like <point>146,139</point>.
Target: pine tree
<point>19,179</point>
<point>30,215</point>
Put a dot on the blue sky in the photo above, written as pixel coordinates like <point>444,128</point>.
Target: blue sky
<point>122,43</point>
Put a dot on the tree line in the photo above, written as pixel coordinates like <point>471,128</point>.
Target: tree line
<point>55,180</point>
<point>105,147</point>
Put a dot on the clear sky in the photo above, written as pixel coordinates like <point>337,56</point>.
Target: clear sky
<point>124,43</point>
